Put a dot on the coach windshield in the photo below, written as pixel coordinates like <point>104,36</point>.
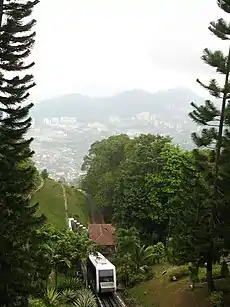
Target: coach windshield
<point>106,276</point>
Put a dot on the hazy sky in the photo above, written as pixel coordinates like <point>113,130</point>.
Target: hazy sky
<point>100,47</point>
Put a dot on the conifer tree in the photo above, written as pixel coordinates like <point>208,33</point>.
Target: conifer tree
<point>1,11</point>
<point>215,136</point>
<point>18,222</point>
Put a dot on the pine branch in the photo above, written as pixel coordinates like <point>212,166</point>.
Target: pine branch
<point>213,88</point>
<point>220,28</point>
<point>215,59</point>
<point>207,137</point>
<point>16,67</point>
<point>224,5</point>
<point>204,114</point>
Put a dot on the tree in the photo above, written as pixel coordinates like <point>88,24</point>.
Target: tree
<point>1,11</point>
<point>180,198</point>
<point>60,248</point>
<point>215,135</point>
<point>143,255</point>
<point>126,240</point>
<point>44,173</point>
<point>131,203</point>
<point>102,164</point>
<point>18,222</point>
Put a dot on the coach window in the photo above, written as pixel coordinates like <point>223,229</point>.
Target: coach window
<point>106,276</point>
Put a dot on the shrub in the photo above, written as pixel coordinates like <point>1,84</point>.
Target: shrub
<point>129,300</point>
<point>85,298</point>
<point>69,283</point>
<point>149,274</point>
<point>183,271</point>
<point>216,273</point>
<point>159,252</point>
<point>224,269</point>
<point>68,296</point>
<point>36,303</point>
<point>217,299</point>
<point>179,272</point>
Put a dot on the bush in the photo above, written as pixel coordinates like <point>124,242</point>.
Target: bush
<point>70,284</point>
<point>36,303</point>
<point>216,273</point>
<point>149,274</point>
<point>217,299</point>
<point>159,252</point>
<point>224,269</point>
<point>40,303</point>
<point>129,300</point>
<point>183,271</point>
<point>179,272</point>
<point>68,296</point>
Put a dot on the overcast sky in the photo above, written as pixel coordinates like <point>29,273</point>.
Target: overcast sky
<point>101,47</point>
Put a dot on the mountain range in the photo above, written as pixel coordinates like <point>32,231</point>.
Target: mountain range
<point>124,105</point>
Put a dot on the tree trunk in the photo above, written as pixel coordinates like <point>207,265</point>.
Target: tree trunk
<point>1,12</point>
<point>211,286</point>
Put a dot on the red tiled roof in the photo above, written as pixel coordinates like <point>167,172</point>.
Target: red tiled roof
<point>102,234</point>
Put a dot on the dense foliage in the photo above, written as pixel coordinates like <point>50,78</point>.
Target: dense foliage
<point>32,254</point>
<point>18,220</point>
<point>166,194</point>
<point>215,119</point>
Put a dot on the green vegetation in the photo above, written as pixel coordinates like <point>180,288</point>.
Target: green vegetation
<point>44,174</point>
<point>156,193</point>
<point>59,257</point>
<point>51,203</point>
<point>168,205</point>
<point>77,205</point>
<point>18,240</point>
<point>159,291</point>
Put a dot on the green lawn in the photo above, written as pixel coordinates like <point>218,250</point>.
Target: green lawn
<point>51,203</point>
<point>160,292</point>
<point>77,205</point>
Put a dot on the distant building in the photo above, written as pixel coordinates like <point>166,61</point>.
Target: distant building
<point>54,121</point>
<point>67,120</point>
<point>47,121</point>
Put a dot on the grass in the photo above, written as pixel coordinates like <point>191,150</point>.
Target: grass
<point>51,203</point>
<point>160,292</point>
<point>77,205</point>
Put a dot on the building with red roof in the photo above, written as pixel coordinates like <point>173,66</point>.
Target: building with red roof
<point>102,235</point>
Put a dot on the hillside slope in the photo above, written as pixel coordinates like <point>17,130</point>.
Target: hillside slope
<point>51,203</point>
<point>159,292</point>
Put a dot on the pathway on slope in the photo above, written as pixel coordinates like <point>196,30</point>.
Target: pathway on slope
<point>38,188</point>
<point>65,202</point>
<point>95,216</point>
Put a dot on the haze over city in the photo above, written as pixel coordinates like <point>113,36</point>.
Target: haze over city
<point>99,48</point>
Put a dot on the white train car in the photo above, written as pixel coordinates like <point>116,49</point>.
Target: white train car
<point>101,274</point>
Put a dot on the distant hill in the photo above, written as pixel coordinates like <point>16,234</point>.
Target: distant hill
<point>51,203</point>
<point>125,104</point>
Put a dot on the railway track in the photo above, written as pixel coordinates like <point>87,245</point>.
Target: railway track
<point>110,300</point>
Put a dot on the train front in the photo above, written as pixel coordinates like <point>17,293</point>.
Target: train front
<point>107,280</point>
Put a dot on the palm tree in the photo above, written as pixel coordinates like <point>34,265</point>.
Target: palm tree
<point>142,255</point>
<point>85,299</point>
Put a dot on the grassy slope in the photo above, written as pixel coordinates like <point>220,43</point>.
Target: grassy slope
<point>77,205</point>
<point>51,203</point>
<point>160,292</point>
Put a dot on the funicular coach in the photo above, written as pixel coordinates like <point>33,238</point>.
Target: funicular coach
<point>101,274</point>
